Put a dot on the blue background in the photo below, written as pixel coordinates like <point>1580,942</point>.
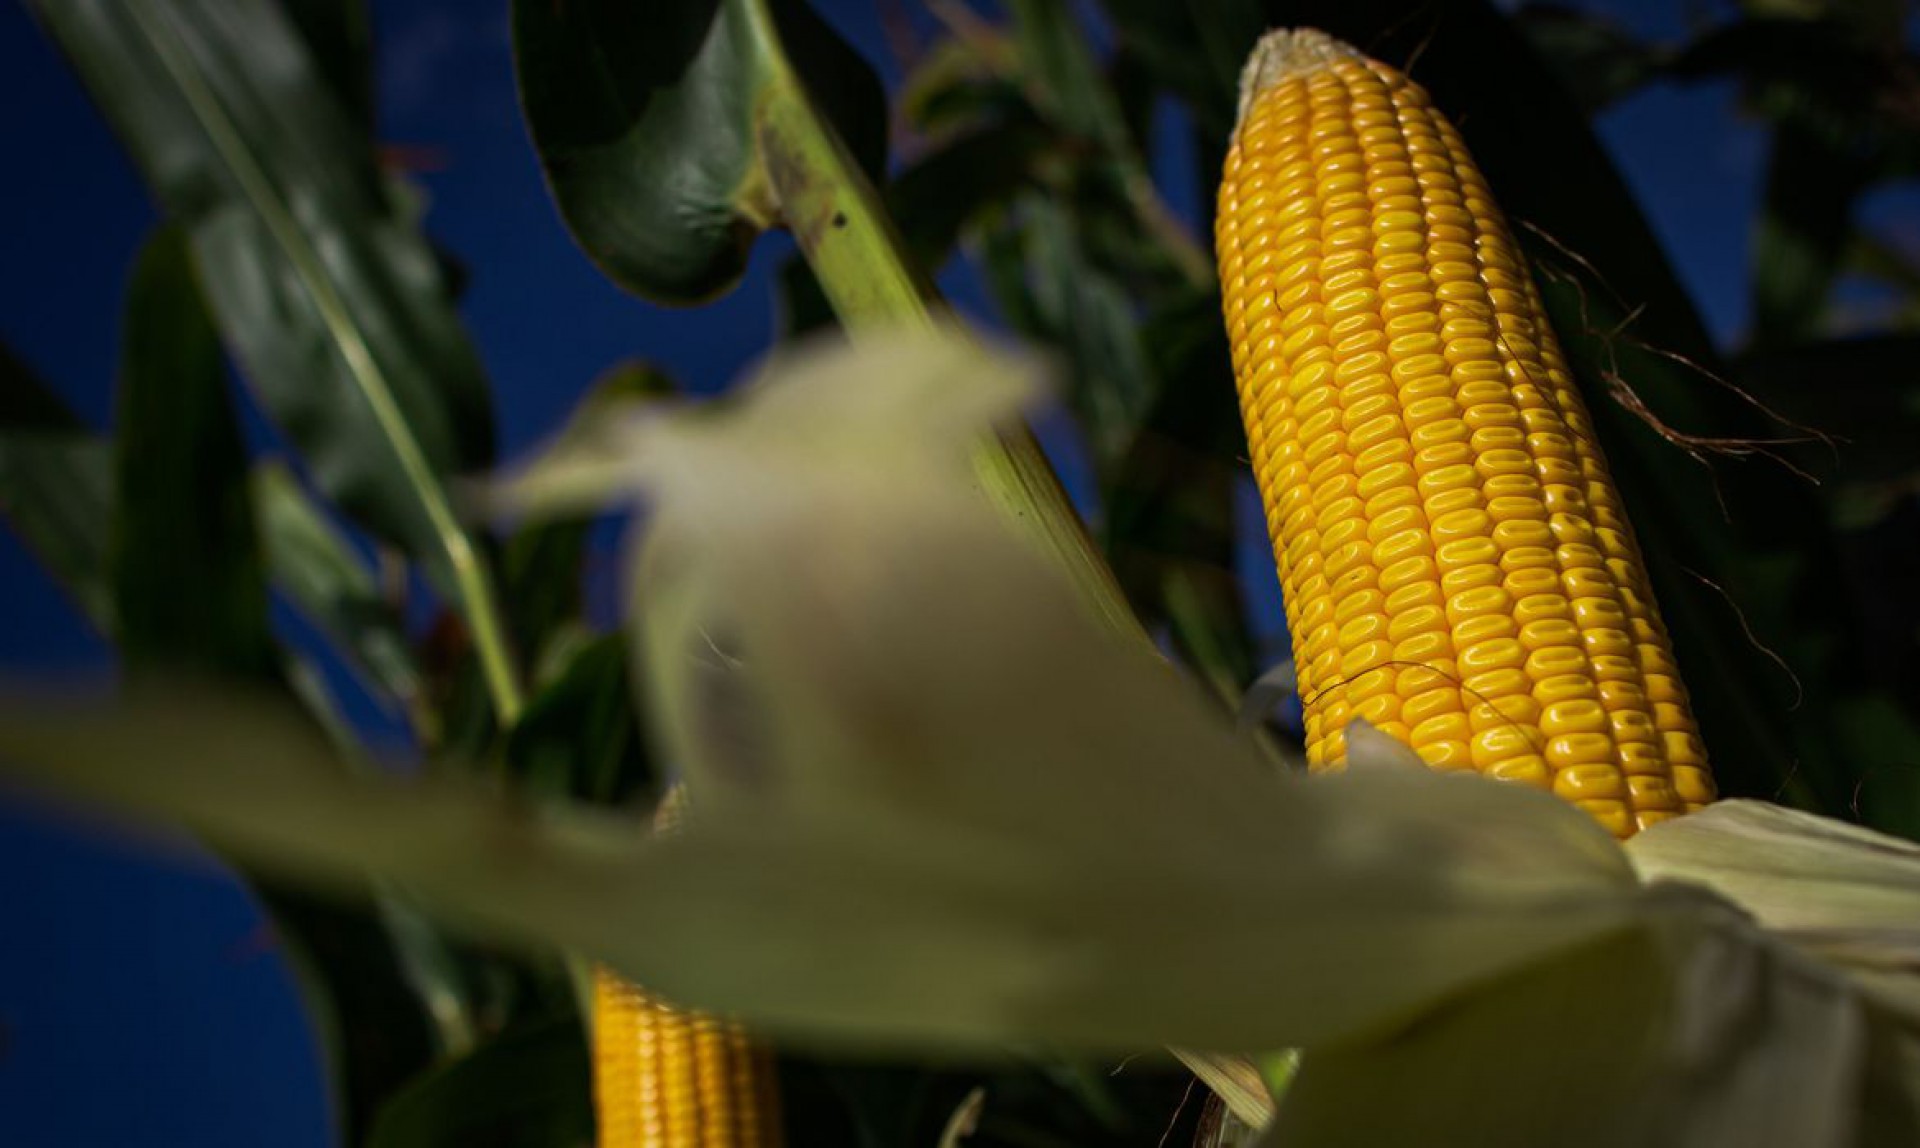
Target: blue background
<point>141,998</point>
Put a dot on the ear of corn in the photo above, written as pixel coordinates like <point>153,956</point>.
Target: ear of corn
<point>668,1078</point>
<point>664,1077</point>
<point>1457,566</point>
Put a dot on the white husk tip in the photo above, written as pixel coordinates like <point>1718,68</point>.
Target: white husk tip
<point>1287,51</point>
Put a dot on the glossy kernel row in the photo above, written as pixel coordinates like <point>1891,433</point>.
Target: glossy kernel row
<point>1457,566</point>
<point>667,1078</point>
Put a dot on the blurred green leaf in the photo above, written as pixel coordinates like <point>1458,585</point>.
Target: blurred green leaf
<point>339,36</point>
<point>368,1010</point>
<point>1170,526</point>
<point>1806,222</point>
<point>1598,58</point>
<point>541,566</point>
<point>56,488</point>
<point>1820,75</point>
<point>580,736</point>
<point>646,124</point>
<point>526,1088</point>
<point>322,574</point>
<point>1195,48</point>
<point>1059,66</point>
<point>189,584</point>
<point>1870,19</point>
<point>1864,392</point>
<point>336,310</point>
<point>1077,304</point>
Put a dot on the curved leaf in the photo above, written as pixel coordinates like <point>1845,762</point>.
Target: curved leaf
<point>645,118</point>
<point>526,1087</point>
<point>189,586</point>
<point>56,488</point>
<point>336,309</point>
<point>1601,61</point>
<point>326,579</point>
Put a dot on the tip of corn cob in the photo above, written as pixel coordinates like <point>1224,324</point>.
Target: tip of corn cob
<point>1285,52</point>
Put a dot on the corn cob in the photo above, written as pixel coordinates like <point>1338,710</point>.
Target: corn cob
<point>664,1077</point>
<point>1456,563</point>
<point>667,1078</point>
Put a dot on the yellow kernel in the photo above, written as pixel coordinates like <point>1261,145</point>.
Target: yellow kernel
<point>1497,653</point>
<point>1441,727</point>
<point>1652,792</point>
<point>1572,749</point>
<point>1553,661</point>
<point>1589,781</point>
<point>1511,710</point>
<point>1460,553</point>
<point>1501,742</point>
<point>1638,757</point>
<point>1683,748</point>
<point>1581,715</point>
<point>1424,648</point>
<point>1692,784</point>
<point>1564,688</point>
<point>1524,769</point>
<point>1612,815</point>
<point>1430,703</point>
<point>1628,725</point>
<point>1485,628</point>
<point>1550,631</point>
<point>1500,682</point>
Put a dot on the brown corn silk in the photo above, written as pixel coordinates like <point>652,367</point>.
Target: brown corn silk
<point>665,1077</point>
<point>1457,566</point>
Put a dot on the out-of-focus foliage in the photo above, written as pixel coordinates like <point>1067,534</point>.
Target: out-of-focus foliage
<point>1035,148</point>
<point>929,808</point>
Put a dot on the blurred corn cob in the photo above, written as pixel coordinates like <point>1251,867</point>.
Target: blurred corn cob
<point>664,1077</point>
<point>1457,566</point>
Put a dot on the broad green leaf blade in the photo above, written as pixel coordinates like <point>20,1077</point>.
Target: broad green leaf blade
<point>1809,876</point>
<point>1194,48</point>
<point>56,488</point>
<point>1703,1035</point>
<point>335,309</point>
<point>1806,220</point>
<point>910,748</point>
<point>339,37</point>
<point>1864,391</point>
<point>932,915</point>
<point>542,564</point>
<point>1078,304</point>
<point>526,1087</point>
<point>646,124</point>
<point>580,736</point>
<point>1060,65</point>
<point>366,1005</point>
<point>1598,59</point>
<point>189,585</point>
<point>325,577</point>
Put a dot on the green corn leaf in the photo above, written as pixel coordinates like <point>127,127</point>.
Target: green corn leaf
<point>336,309</point>
<point>526,1086</point>
<point>189,583</point>
<point>56,488</point>
<point>648,124</point>
<point>935,803</point>
<point>327,579</point>
<point>333,309</point>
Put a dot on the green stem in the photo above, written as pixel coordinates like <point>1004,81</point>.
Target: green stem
<point>835,215</point>
<point>473,582</point>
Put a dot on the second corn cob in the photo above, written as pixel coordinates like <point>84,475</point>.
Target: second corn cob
<point>668,1078</point>
<point>664,1077</point>
<point>1457,566</point>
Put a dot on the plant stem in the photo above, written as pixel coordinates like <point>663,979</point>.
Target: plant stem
<point>472,581</point>
<point>845,235</point>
